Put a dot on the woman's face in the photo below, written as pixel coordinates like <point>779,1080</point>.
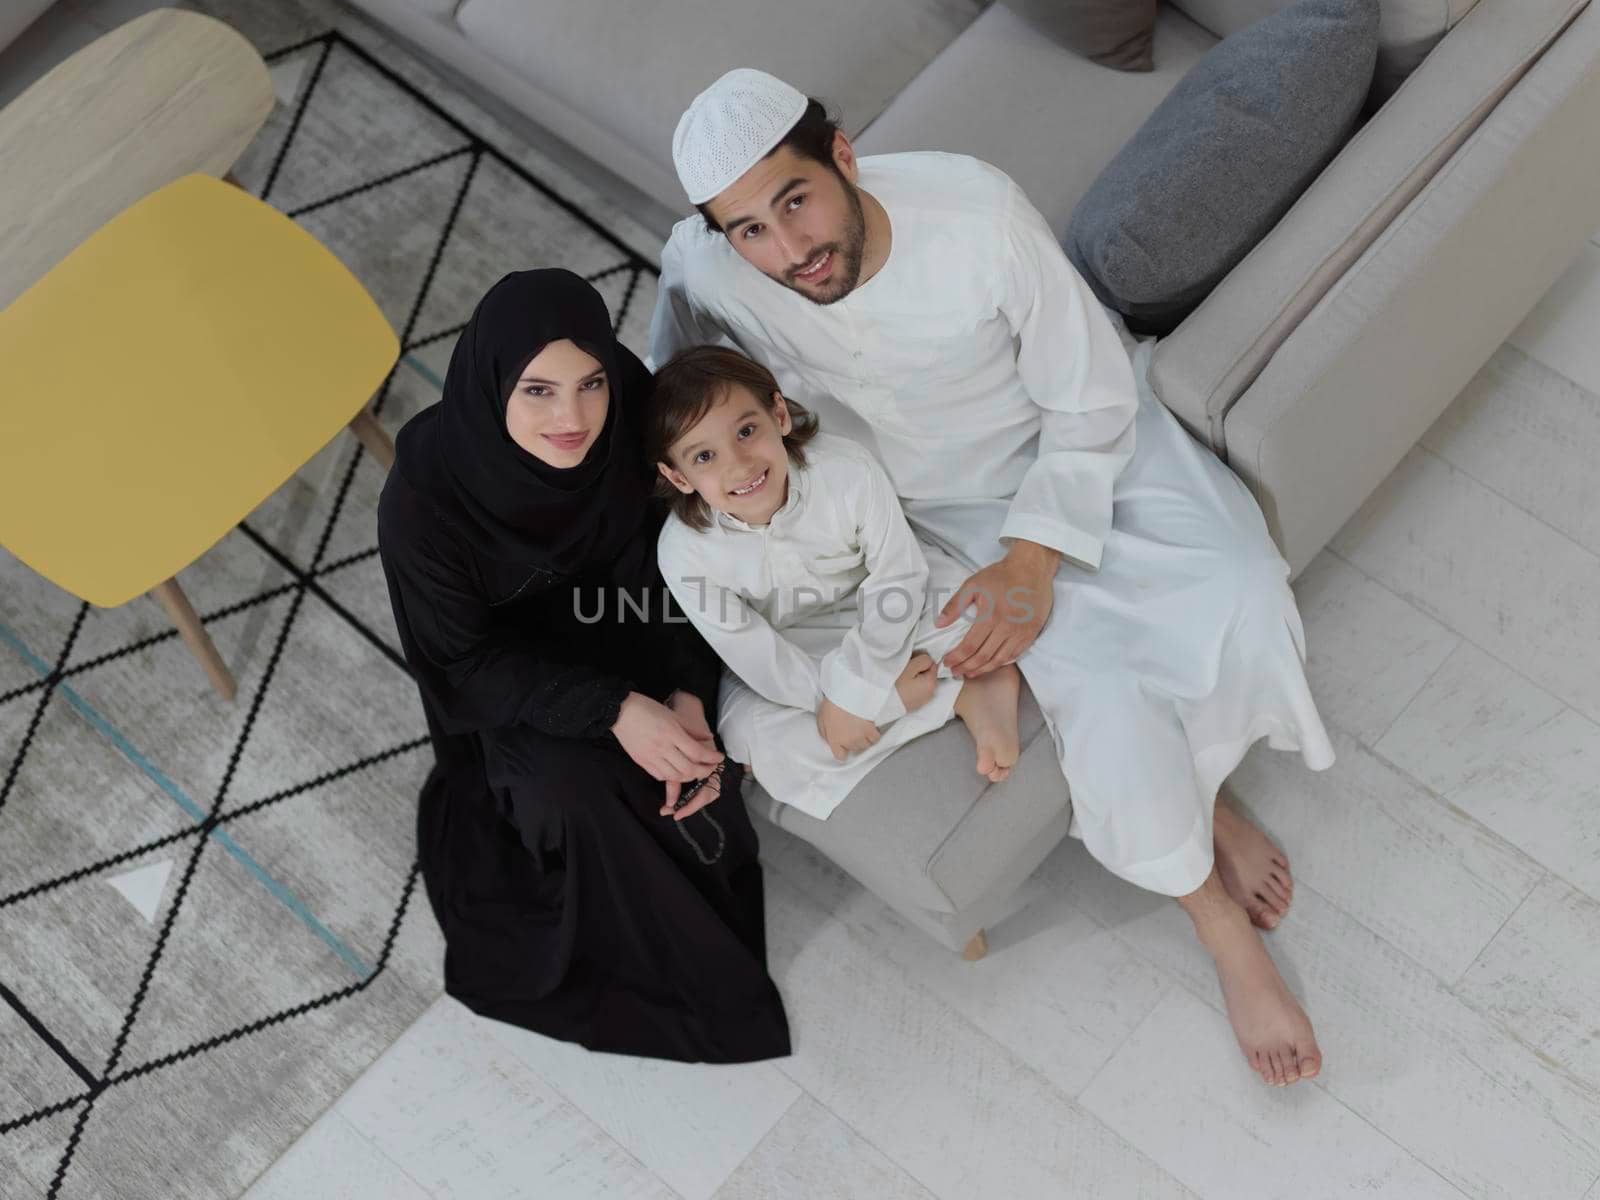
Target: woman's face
<point>558,407</point>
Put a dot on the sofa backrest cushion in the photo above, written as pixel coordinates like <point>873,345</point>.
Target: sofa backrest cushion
<point>1407,30</point>
<point>1047,117</point>
<point>632,68</point>
<point>1222,158</point>
<point>17,15</point>
<point>1113,33</point>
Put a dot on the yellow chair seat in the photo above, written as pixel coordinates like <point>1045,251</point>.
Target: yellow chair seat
<point>169,375</point>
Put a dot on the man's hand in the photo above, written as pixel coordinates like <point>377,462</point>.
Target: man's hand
<point>1014,597</point>
<point>844,732</point>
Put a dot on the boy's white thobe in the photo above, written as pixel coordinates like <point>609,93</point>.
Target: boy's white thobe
<point>829,599</point>
<point>979,368</point>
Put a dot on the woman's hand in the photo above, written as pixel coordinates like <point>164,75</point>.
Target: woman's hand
<point>656,739</point>
<point>844,732</point>
<point>710,790</point>
<point>687,708</point>
<point>691,713</point>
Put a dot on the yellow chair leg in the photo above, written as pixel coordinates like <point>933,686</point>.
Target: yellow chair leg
<point>378,443</point>
<point>182,614</point>
<point>976,948</point>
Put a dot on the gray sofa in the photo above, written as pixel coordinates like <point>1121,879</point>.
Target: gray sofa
<point>17,15</point>
<point>1312,368</point>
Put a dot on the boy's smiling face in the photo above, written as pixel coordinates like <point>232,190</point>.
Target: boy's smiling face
<point>734,456</point>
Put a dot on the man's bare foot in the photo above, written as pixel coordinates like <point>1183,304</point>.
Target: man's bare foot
<point>1255,872</point>
<point>988,705</point>
<point>1273,1030</point>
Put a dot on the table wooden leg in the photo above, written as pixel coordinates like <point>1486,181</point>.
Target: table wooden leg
<point>976,948</point>
<point>378,443</point>
<point>194,633</point>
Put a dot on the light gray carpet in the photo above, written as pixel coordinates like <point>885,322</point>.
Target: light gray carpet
<point>271,839</point>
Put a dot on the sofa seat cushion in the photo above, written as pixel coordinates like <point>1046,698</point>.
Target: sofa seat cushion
<point>1407,29</point>
<point>1222,159</point>
<point>924,830</point>
<point>1048,118</point>
<point>633,68</point>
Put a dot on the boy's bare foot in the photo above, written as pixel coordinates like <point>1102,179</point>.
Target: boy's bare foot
<point>1273,1030</point>
<point>988,705</point>
<point>918,681</point>
<point>1255,872</point>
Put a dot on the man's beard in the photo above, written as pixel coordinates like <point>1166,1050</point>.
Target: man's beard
<point>846,256</point>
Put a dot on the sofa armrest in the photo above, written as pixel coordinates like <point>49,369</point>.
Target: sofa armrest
<point>1400,334</point>
<point>1207,363</point>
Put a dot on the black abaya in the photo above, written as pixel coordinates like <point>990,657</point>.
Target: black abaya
<point>569,905</point>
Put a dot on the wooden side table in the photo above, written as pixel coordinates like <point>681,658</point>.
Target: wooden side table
<point>168,94</point>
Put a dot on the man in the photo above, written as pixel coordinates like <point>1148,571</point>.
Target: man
<point>919,303</point>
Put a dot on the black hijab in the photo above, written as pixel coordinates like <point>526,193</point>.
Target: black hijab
<point>508,504</point>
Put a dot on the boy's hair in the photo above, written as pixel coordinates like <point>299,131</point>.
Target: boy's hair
<point>687,386</point>
<point>811,137</point>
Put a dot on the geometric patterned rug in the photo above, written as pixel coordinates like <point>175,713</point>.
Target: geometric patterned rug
<point>210,915</point>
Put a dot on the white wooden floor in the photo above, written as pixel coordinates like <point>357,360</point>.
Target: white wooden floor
<point>1445,936</point>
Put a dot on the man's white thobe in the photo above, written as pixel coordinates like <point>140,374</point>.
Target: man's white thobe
<point>828,599</point>
<point>980,370</point>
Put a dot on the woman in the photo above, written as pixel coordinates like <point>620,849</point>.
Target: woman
<point>567,703</point>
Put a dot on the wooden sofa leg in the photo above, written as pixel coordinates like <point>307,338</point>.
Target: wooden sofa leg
<point>976,948</point>
<point>182,614</point>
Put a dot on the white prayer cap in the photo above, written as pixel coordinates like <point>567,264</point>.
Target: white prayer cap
<point>730,127</point>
